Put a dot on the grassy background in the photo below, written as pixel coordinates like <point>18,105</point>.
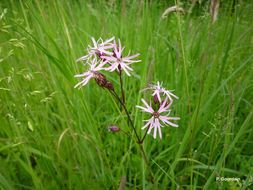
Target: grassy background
<point>53,136</point>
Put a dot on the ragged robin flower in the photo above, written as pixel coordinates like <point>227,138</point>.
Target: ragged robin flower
<point>118,62</point>
<point>158,90</point>
<point>93,72</point>
<point>158,119</point>
<point>99,48</point>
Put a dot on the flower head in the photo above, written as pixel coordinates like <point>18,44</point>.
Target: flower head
<point>99,48</point>
<point>92,72</point>
<point>118,62</point>
<point>157,117</point>
<point>158,90</point>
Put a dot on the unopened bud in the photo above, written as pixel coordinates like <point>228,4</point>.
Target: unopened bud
<point>113,129</point>
<point>100,79</point>
<point>155,98</point>
<point>109,85</point>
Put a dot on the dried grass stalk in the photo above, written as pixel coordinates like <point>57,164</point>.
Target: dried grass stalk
<point>171,10</point>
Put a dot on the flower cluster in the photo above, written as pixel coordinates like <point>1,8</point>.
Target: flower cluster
<point>105,56</point>
<point>159,114</point>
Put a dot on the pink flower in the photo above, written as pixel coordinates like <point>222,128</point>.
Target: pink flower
<point>156,118</point>
<point>117,61</point>
<point>92,72</point>
<point>158,90</point>
<point>99,48</point>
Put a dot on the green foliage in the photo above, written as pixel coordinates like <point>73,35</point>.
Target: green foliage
<point>53,136</point>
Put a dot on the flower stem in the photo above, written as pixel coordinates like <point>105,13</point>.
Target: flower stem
<point>121,87</point>
<point>147,163</point>
<point>143,138</point>
<point>128,115</point>
<point>139,141</point>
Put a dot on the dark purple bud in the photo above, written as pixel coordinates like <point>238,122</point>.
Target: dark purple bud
<point>100,79</point>
<point>109,85</point>
<point>155,98</point>
<point>113,128</point>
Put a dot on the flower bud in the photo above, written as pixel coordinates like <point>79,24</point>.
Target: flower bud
<point>103,82</point>
<point>109,85</point>
<point>113,128</point>
<point>155,98</point>
<point>100,79</point>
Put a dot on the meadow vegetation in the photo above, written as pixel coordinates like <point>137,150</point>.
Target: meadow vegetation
<point>53,136</point>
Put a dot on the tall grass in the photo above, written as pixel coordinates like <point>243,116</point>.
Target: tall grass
<point>55,137</point>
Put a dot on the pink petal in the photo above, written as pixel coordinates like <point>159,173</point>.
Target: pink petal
<point>83,58</point>
<point>94,42</point>
<point>160,132</point>
<point>132,56</point>
<point>126,71</point>
<point>82,75</point>
<point>150,128</point>
<point>168,93</point>
<point>161,109</point>
<point>120,47</point>
<point>108,40</point>
<point>148,123</point>
<point>129,68</point>
<point>173,118</point>
<point>144,109</point>
<point>166,121</point>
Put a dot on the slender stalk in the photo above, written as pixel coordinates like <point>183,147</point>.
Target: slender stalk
<point>139,141</point>
<point>121,87</point>
<point>147,163</point>
<point>144,135</point>
<point>128,115</point>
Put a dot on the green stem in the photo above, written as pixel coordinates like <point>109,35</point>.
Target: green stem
<point>147,163</point>
<point>121,87</point>
<point>144,136</point>
<point>128,115</point>
<point>139,141</point>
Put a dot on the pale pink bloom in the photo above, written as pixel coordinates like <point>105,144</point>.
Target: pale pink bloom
<point>92,72</point>
<point>156,120</point>
<point>158,90</point>
<point>99,48</point>
<point>117,60</point>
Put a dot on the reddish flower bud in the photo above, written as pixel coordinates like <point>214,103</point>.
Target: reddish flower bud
<point>109,85</point>
<point>103,82</point>
<point>113,129</point>
<point>155,98</point>
<point>100,79</point>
